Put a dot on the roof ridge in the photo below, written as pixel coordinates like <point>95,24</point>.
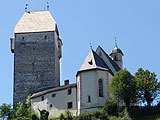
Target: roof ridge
<point>99,62</point>
<point>115,66</point>
<point>37,11</point>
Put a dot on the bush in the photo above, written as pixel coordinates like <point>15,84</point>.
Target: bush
<point>61,117</point>
<point>110,108</point>
<point>68,115</point>
<point>85,116</point>
<point>34,117</point>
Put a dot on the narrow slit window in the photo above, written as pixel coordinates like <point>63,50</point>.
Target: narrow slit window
<point>42,98</point>
<point>115,57</point>
<point>69,91</point>
<point>89,98</point>
<point>45,37</point>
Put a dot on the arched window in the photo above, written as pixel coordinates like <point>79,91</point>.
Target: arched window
<point>100,82</point>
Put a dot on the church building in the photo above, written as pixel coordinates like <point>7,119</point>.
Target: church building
<point>37,50</point>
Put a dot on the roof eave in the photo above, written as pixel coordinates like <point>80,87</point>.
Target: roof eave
<point>35,95</point>
<point>98,68</point>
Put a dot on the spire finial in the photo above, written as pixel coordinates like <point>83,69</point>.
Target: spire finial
<point>47,5</point>
<point>26,7</point>
<point>115,41</point>
<point>90,46</point>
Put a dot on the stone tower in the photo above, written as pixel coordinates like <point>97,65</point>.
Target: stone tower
<point>37,51</point>
<point>116,55</point>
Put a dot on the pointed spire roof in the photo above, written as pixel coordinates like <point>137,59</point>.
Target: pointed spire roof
<point>93,61</point>
<point>35,21</point>
<point>116,50</point>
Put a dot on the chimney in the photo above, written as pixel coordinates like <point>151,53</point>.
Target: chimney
<point>66,82</point>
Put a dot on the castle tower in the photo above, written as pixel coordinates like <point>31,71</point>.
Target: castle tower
<point>116,55</point>
<point>37,52</point>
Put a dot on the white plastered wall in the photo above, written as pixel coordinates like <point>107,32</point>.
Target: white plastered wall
<point>59,102</point>
<point>87,84</point>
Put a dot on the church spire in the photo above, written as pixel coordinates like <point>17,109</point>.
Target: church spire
<point>116,55</point>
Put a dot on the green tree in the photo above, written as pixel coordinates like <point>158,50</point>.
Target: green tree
<point>22,112</point>
<point>148,86</point>
<point>5,111</point>
<point>123,87</point>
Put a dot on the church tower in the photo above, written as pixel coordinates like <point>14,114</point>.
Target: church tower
<point>116,55</point>
<point>37,51</point>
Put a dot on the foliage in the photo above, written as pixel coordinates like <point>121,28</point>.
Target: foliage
<point>5,111</point>
<point>61,117</point>
<point>110,108</point>
<point>68,115</point>
<point>85,116</point>
<point>22,112</point>
<point>102,115</point>
<point>123,87</point>
<point>43,114</point>
<point>34,117</point>
<point>148,86</point>
<point>95,115</point>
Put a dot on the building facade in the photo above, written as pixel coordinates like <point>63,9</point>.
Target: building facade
<point>56,100</point>
<point>37,51</point>
<point>90,91</point>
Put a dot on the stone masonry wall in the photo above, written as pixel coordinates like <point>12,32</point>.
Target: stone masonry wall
<point>35,63</point>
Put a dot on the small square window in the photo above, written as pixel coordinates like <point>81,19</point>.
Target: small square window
<point>54,95</point>
<point>69,91</point>
<point>69,105</point>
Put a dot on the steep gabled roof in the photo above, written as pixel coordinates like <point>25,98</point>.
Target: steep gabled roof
<point>93,61</point>
<point>35,21</point>
<point>110,63</point>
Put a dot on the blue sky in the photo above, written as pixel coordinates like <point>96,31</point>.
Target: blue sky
<point>135,23</point>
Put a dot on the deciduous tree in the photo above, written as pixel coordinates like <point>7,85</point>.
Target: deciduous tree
<point>123,87</point>
<point>5,111</point>
<point>148,86</point>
